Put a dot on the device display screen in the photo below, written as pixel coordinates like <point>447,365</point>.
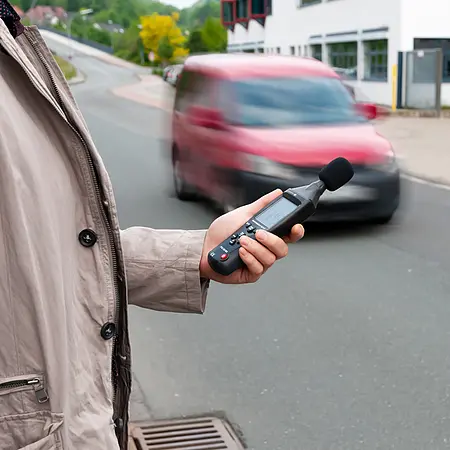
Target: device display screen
<point>278,211</point>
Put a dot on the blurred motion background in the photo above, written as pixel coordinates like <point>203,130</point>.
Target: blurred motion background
<point>343,345</point>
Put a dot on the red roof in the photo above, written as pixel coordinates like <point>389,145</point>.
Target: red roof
<point>243,65</point>
<point>42,12</point>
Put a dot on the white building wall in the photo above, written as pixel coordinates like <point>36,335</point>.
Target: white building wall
<point>246,39</point>
<point>402,20</point>
<point>426,19</point>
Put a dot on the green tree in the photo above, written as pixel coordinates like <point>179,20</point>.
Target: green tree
<point>195,42</point>
<point>128,45</point>
<point>214,35</point>
<point>165,49</point>
<point>98,35</point>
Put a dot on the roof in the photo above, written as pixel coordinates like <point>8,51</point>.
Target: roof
<point>239,65</point>
<point>41,12</point>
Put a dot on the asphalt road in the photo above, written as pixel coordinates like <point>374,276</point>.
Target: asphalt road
<point>343,345</point>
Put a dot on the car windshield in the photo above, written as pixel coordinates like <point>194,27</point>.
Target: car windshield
<point>289,101</point>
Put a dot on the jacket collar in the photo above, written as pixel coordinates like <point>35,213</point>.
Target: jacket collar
<point>11,47</point>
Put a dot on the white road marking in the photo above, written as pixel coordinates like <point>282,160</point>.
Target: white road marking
<point>418,180</point>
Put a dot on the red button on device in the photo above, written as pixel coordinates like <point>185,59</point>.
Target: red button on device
<point>224,257</point>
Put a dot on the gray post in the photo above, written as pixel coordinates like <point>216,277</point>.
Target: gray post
<point>69,33</point>
<point>439,70</point>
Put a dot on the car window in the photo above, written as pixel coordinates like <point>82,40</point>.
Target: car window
<point>291,101</point>
<point>203,91</point>
<point>182,91</point>
<point>225,100</point>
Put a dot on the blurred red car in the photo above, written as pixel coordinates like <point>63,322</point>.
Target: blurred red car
<point>244,125</point>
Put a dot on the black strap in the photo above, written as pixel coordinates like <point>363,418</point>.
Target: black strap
<point>11,18</point>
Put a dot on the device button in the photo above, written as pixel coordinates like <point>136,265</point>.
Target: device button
<point>248,224</point>
<point>251,229</point>
<point>242,233</point>
<point>232,241</point>
<point>234,236</point>
<point>224,256</point>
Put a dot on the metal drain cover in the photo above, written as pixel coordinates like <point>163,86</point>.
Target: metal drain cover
<point>203,433</point>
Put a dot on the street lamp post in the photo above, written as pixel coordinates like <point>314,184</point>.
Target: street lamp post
<point>71,17</point>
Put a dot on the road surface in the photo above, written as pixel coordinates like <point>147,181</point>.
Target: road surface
<point>343,345</point>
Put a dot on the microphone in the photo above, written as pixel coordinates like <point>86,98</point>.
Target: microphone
<point>293,206</point>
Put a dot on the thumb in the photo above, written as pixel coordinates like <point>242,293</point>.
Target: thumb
<point>264,201</point>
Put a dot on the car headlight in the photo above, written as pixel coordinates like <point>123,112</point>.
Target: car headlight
<point>389,165</point>
<point>263,166</point>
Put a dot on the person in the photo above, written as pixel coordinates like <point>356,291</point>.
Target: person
<point>67,271</point>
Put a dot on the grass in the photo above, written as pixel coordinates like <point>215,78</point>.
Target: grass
<point>67,69</point>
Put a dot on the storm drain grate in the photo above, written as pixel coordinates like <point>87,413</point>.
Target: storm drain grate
<point>205,433</point>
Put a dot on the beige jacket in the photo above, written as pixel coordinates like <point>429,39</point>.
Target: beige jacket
<point>67,272</point>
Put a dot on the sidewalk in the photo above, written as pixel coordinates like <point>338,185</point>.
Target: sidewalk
<point>421,144</point>
<point>90,51</point>
<point>151,91</point>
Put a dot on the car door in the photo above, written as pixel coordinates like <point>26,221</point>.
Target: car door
<point>184,134</point>
<point>201,138</point>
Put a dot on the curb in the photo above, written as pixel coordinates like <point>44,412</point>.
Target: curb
<point>79,78</point>
<point>422,114</point>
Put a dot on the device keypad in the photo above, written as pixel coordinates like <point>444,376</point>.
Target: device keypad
<point>248,229</point>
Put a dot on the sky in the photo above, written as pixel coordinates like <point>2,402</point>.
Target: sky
<point>179,3</point>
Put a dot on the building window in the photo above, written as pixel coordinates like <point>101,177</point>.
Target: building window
<point>258,7</point>
<point>446,66</point>
<point>344,55</point>
<point>278,50</point>
<point>376,60</point>
<point>316,51</point>
<point>242,9</point>
<point>227,13</point>
<point>292,50</point>
<point>269,7</point>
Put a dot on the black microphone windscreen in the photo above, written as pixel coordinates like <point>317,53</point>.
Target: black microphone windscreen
<point>337,173</point>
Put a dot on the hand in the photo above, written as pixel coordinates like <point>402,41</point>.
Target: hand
<point>256,256</point>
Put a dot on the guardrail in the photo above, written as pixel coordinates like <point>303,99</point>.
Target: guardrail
<point>103,48</point>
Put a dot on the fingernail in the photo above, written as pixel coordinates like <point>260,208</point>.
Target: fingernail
<point>262,235</point>
<point>243,240</point>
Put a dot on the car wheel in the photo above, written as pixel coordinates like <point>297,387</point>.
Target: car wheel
<point>183,190</point>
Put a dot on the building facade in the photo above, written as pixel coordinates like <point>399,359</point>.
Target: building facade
<point>361,37</point>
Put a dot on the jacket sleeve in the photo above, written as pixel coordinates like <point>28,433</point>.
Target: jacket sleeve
<point>162,268</point>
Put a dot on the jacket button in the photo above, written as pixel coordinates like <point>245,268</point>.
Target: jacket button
<point>119,424</point>
<point>87,238</point>
<point>108,331</point>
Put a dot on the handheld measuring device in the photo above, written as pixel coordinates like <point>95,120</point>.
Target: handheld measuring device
<point>293,206</point>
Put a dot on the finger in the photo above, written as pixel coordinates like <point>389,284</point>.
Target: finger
<point>297,233</point>
<point>275,244</point>
<point>261,253</point>
<point>255,268</point>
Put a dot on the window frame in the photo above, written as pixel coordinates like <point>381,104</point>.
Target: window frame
<point>245,9</point>
<point>338,51</point>
<point>375,53</point>
<point>231,5</point>
<point>314,47</point>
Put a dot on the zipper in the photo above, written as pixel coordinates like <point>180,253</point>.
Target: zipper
<point>101,205</point>
<point>20,384</point>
